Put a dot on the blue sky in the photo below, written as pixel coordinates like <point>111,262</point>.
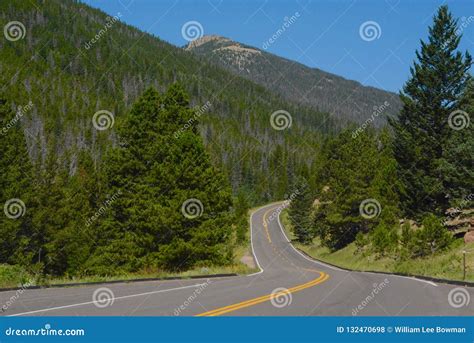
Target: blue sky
<point>325,34</point>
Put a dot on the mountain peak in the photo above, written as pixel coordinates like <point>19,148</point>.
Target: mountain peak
<point>348,100</point>
<point>206,39</point>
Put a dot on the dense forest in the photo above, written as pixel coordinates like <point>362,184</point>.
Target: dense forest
<point>94,62</point>
<point>91,181</point>
<point>119,160</point>
<point>419,168</point>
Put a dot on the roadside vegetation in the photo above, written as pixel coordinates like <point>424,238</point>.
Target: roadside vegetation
<point>447,264</point>
<point>399,199</point>
<point>167,209</point>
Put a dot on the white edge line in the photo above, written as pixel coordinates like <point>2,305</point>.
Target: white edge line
<point>300,253</point>
<point>251,243</point>
<point>111,299</point>
<point>342,270</point>
<point>406,277</point>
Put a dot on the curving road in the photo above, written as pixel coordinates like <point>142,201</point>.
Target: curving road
<point>288,284</point>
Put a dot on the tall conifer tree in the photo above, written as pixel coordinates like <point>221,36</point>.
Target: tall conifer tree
<point>438,80</point>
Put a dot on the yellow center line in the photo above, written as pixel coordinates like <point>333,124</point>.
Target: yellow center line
<point>251,302</point>
<point>265,225</point>
<point>226,309</point>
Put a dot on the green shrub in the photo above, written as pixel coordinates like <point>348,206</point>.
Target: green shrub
<point>384,239</point>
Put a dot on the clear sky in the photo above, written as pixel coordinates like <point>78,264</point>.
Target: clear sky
<point>325,34</point>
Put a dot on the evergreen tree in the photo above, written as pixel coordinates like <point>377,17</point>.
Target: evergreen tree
<point>16,190</point>
<point>300,211</point>
<point>73,241</point>
<point>422,133</point>
<point>357,173</point>
<point>457,163</point>
<point>157,174</point>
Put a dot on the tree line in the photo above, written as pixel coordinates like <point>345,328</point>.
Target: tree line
<point>156,201</point>
<point>417,168</point>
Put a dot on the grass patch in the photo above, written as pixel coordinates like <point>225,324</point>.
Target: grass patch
<point>445,265</point>
<point>15,276</point>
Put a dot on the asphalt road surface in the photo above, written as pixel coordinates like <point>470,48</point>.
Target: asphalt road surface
<point>288,284</point>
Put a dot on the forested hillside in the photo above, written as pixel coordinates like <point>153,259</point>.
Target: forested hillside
<point>348,101</point>
<point>406,192</point>
<point>94,62</point>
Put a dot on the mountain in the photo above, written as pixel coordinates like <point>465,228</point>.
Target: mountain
<point>71,61</point>
<point>347,100</point>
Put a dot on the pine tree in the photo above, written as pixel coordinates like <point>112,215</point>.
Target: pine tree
<point>16,191</point>
<point>300,211</point>
<point>422,133</point>
<point>158,173</point>
<point>73,241</point>
<point>358,184</point>
<point>457,163</point>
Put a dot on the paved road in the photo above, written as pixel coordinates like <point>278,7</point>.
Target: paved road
<point>287,284</point>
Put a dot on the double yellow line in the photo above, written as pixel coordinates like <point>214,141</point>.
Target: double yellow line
<point>226,309</point>
<point>217,312</point>
<point>265,225</point>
